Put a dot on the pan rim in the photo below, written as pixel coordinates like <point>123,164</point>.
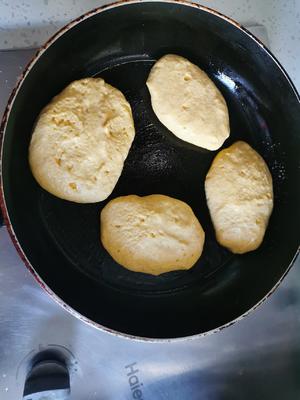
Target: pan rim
<point>3,204</point>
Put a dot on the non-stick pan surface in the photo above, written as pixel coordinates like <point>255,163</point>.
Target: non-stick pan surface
<point>60,239</point>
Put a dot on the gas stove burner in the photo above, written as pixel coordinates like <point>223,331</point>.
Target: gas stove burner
<point>255,358</point>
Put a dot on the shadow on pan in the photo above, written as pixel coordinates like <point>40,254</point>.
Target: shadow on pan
<point>61,239</point>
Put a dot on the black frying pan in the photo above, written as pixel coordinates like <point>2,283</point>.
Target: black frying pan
<point>59,240</point>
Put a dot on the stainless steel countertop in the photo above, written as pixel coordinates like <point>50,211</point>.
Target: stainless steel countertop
<point>257,358</point>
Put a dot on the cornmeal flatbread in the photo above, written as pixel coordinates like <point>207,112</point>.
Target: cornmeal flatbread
<point>188,103</point>
<point>81,140</point>
<point>152,234</point>
<point>239,194</point>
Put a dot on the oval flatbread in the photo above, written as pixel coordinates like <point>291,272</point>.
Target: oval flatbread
<point>188,103</point>
<point>239,193</point>
<point>152,234</point>
<point>81,140</point>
